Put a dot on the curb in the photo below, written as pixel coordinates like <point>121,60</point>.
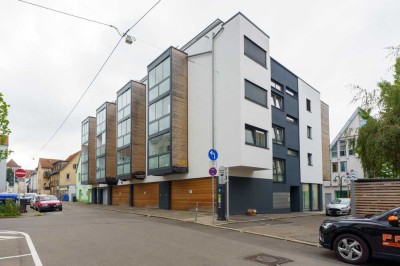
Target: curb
<point>288,239</point>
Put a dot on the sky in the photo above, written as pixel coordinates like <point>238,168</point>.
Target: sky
<point>47,60</point>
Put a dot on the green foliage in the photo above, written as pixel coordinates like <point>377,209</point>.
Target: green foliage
<point>378,142</point>
<point>4,130</point>
<point>9,209</point>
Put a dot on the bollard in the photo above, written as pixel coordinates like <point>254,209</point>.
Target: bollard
<point>197,208</point>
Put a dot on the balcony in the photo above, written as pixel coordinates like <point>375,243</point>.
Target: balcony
<point>47,174</point>
<point>54,183</point>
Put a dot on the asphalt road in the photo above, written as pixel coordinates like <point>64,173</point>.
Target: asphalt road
<point>81,235</point>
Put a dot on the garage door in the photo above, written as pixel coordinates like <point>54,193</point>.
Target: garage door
<point>120,195</point>
<point>146,195</point>
<point>186,193</point>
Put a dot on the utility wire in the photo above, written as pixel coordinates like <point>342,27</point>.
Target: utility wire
<point>71,15</point>
<point>95,77</point>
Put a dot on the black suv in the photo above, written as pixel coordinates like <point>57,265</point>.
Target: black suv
<point>355,240</point>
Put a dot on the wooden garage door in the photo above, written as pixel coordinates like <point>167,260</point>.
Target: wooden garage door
<point>146,195</point>
<point>120,195</point>
<point>186,193</point>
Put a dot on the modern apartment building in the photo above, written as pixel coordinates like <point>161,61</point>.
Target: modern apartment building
<point>221,90</point>
<point>344,160</point>
<point>88,151</point>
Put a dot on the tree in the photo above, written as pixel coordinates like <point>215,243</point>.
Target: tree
<point>4,130</point>
<point>378,141</point>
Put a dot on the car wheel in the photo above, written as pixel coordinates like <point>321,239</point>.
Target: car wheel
<point>39,210</point>
<point>351,249</point>
<point>60,209</point>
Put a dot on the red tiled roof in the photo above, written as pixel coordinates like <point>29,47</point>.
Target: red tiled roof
<point>47,163</point>
<point>12,163</point>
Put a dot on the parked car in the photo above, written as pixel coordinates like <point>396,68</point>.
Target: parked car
<point>47,202</point>
<point>355,240</point>
<point>28,196</point>
<point>32,201</point>
<point>339,206</point>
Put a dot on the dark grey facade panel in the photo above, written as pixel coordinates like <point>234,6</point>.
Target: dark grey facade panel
<point>255,93</point>
<point>249,193</point>
<point>255,52</point>
<point>283,76</point>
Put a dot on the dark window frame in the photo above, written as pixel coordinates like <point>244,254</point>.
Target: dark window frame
<point>273,82</point>
<point>309,132</point>
<point>274,98</point>
<point>246,81</point>
<point>291,92</point>
<point>308,105</point>
<point>253,130</point>
<point>294,122</point>
<point>275,127</point>
<point>263,64</point>
<point>275,176</point>
<point>309,159</point>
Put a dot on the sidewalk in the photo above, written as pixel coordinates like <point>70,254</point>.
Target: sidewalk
<point>300,227</point>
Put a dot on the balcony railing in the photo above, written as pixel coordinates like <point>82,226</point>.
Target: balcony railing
<point>54,183</point>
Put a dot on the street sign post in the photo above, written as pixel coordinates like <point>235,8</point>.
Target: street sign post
<point>213,156</point>
<point>212,171</point>
<point>20,173</point>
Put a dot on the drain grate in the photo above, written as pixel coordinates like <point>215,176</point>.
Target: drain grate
<point>268,259</point>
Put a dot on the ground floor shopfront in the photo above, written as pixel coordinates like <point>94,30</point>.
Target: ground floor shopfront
<point>189,194</point>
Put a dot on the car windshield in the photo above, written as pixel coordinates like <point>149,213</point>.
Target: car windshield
<point>341,201</point>
<point>46,198</point>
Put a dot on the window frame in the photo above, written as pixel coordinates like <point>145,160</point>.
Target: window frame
<point>274,98</point>
<point>309,159</point>
<point>308,105</point>
<point>257,46</point>
<point>309,132</point>
<point>292,120</point>
<point>254,131</point>
<point>291,92</point>
<point>275,175</point>
<point>275,84</point>
<point>292,152</point>
<point>274,141</point>
<point>246,81</point>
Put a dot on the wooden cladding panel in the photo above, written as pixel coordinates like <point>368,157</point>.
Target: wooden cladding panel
<point>376,197</point>
<point>138,120</point>
<point>92,151</point>
<point>111,162</point>
<point>186,193</point>
<point>120,195</point>
<point>179,103</point>
<point>326,159</point>
<point>146,195</point>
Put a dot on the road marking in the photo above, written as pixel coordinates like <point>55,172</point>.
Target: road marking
<point>9,237</point>
<point>11,257</point>
<point>28,239</point>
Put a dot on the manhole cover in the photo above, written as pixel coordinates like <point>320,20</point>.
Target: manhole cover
<point>268,259</point>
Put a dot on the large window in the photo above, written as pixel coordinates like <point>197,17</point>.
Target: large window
<point>279,135</point>
<point>124,105</point>
<point>124,161</point>
<point>255,52</point>
<point>256,136</point>
<point>85,132</point>
<point>343,166</point>
<point>101,144</point>
<point>85,153</point>
<point>278,170</point>
<point>124,133</point>
<point>85,171</point>
<point>159,151</point>
<point>159,115</point>
<point>306,197</point>
<point>255,93</point>
<point>159,82</point>
<point>101,121</point>
<point>277,101</point>
<point>100,167</point>
<point>315,198</point>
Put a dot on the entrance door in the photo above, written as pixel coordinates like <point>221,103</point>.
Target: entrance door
<point>295,199</point>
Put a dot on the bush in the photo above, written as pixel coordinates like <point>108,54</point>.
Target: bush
<point>9,208</point>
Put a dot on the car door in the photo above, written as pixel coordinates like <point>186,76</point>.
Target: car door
<point>388,242</point>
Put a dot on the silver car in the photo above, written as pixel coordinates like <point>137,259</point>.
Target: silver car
<point>339,206</point>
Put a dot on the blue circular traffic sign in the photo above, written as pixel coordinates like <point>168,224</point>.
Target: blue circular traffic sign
<point>212,154</point>
<point>212,171</point>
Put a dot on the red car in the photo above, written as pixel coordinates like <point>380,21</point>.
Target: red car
<point>47,202</point>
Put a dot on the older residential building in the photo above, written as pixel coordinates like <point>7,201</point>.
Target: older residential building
<point>344,160</point>
<point>45,167</point>
<point>67,181</point>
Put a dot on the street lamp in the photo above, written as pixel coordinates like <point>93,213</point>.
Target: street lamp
<point>340,183</point>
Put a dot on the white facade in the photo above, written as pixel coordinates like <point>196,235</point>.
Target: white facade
<point>310,168</point>
<point>344,159</point>
<point>232,110</point>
